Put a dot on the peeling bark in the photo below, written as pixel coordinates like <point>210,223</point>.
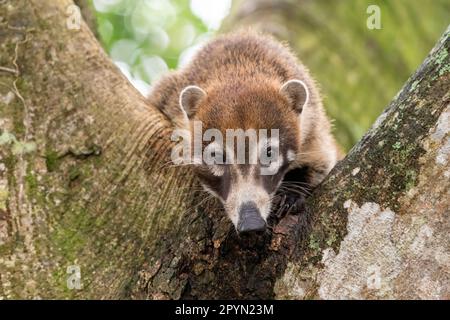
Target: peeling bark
<point>85,181</point>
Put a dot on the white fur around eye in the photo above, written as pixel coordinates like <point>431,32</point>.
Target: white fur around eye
<point>275,165</point>
<point>217,170</point>
<point>290,155</point>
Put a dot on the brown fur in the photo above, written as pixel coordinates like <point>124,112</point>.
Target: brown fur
<point>242,74</point>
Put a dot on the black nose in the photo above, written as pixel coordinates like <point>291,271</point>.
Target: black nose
<point>250,218</point>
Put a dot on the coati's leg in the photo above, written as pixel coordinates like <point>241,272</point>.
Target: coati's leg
<point>301,181</point>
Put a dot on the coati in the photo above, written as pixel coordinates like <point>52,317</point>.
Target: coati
<point>250,81</point>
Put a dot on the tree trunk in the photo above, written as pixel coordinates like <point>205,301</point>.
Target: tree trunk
<point>82,156</point>
<point>85,182</point>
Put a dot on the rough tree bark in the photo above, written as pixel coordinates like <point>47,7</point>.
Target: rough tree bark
<point>85,181</point>
<point>81,157</point>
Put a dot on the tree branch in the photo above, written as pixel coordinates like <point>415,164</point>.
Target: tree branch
<point>101,214</point>
<point>132,224</point>
<point>394,187</point>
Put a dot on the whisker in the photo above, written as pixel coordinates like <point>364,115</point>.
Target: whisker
<point>297,192</point>
<point>170,164</point>
<point>294,187</point>
<point>310,152</point>
<point>300,192</point>
<point>296,182</point>
<point>190,210</point>
<point>280,206</point>
<point>299,189</point>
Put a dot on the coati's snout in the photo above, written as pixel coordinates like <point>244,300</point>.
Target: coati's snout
<point>248,203</point>
<point>250,218</point>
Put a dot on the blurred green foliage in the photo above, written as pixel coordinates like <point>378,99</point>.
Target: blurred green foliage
<point>152,27</point>
<point>359,70</point>
<point>146,38</point>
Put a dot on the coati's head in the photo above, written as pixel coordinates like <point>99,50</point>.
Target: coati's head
<point>224,118</point>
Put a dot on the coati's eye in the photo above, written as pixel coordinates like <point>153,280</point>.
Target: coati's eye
<point>269,152</point>
<point>214,154</point>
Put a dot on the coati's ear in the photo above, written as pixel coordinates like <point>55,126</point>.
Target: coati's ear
<point>297,93</point>
<point>190,98</point>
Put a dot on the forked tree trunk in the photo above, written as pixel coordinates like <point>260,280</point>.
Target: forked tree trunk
<point>85,181</point>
